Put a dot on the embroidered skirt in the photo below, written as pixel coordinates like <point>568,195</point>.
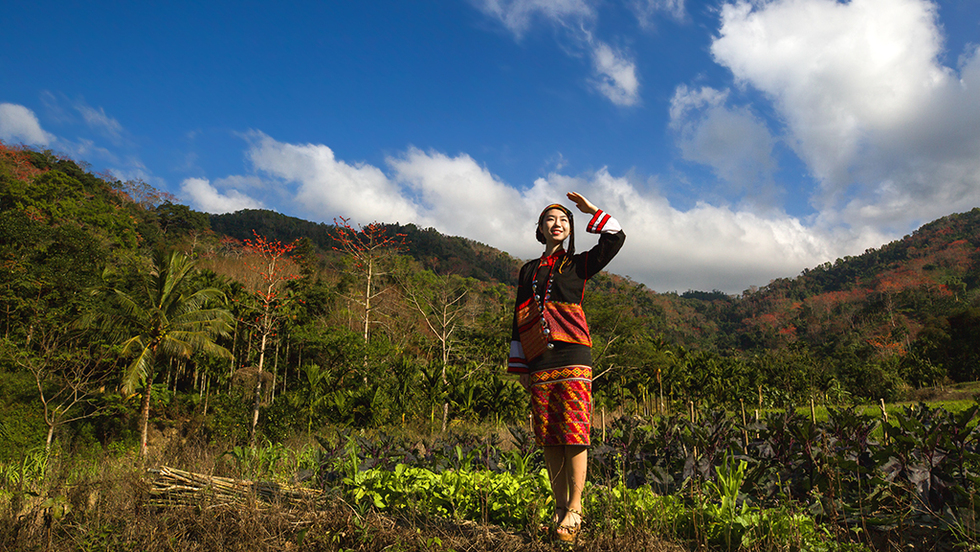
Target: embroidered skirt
<point>561,405</point>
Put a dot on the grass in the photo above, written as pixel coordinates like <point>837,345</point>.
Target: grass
<point>98,501</point>
<point>94,500</point>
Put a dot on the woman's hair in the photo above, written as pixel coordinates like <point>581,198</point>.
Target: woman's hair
<point>571,226</point>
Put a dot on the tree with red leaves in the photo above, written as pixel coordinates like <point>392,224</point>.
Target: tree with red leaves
<point>272,261</point>
<point>367,249</point>
<point>15,161</point>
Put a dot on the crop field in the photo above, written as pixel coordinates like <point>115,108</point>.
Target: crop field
<point>846,481</point>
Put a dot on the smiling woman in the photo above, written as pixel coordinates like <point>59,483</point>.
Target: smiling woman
<point>551,349</point>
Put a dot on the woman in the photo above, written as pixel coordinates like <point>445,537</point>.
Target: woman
<point>552,351</point>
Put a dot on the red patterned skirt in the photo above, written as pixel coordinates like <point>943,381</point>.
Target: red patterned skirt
<point>561,405</point>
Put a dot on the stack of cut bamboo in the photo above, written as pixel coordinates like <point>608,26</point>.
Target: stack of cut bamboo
<point>173,487</point>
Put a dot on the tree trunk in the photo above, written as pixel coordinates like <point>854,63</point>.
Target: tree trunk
<point>285,368</point>
<point>445,404</point>
<point>258,384</point>
<point>275,372</point>
<point>234,344</point>
<point>47,444</point>
<point>207,393</point>
<point>367,301</point>
<point>145,416</point>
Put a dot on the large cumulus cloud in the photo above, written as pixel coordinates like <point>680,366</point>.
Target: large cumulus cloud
<point>705,247</point>
<point>890,134</point>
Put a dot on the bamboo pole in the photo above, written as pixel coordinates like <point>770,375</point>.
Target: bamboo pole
<point>173,487</point>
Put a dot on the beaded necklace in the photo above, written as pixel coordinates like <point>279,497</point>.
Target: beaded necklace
<point>550,261</point>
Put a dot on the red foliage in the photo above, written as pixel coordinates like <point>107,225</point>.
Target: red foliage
<point>885,346</point>
<point>278,265</point>
<point>16,160</point>
<point>367,242</point>
<point>230,247</point>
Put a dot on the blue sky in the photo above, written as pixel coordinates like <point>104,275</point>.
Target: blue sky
<point>736,141</point>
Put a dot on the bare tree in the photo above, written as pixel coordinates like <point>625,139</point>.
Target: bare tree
<point>68,382</point>
<point>441,303</point>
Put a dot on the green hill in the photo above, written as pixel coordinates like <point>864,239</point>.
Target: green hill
<point>874,325</point>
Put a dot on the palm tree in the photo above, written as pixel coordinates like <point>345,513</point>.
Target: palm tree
<point>167,317</point>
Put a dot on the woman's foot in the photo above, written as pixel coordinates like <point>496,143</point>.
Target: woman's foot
<point>555,519</point>
<point>570,526</point>
<point>558,515</point>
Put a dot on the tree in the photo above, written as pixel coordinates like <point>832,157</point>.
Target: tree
<point>367,250</point>
<point>275,270</point>
<point>165,318</point>
<point>440,300</point>
<point>15,163</point>
<point>143,194</point>
<point>67,381</point>
<point>180,219</point>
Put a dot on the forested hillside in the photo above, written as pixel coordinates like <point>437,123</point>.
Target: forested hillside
<point>433,251</point>
<point>298,324</point>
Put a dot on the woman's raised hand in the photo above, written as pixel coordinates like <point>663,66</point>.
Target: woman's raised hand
<point>583,204</point>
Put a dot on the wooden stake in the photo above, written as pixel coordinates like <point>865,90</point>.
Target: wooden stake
<point>745,431</point>
<point>884,416</point>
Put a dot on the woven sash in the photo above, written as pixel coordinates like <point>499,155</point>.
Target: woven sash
<point>533,339</point>
<point>567,323</point>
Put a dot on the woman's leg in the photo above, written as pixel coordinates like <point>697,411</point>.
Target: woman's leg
<point>554,459</point>
<point>576,460</point>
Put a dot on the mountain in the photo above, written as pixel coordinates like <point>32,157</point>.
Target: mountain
<point>872,306</point>
<point>908,310</point>
<point>434,251</point>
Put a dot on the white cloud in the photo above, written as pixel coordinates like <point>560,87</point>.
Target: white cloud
<point>517,15</point>
<point>647,10</point>
<point>326,187</point>
<point>97,119</point>
<point>19,124</point>
<point>239,182</point>
<point>84,148</point>
<point>892,136</point>
<point>706,247</point>
<point>460,197</point>
<point>732,141</point>
<point>615,75</point>
<point>205,197</point>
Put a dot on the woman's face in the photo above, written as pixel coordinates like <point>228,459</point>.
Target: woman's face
<point>555,227</point>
